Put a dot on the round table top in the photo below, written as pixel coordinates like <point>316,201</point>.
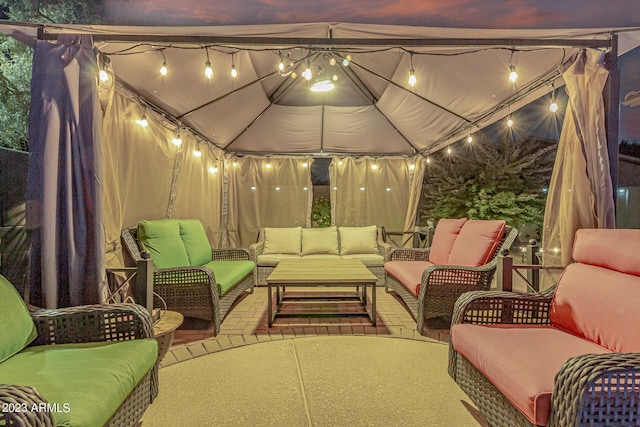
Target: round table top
<point>169,322</point>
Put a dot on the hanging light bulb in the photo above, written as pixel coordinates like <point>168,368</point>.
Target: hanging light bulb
<point>349,58</point>
<point>197,152</point>
<point>513,75</point>
<point>143,121</point>
<point>449,150</point>
<point>509,121</point>
<point>294,75</point>
<point>334,78</point>
<point>208,71</point>
<point>307,74</point>
<point>268,165</point>
<point>281,63</point>
<point>346,60</point>
<point>104,76</point>
<point>412,166</point>
<point>177,141</point>
<point>412,73</point>
<point>374,166</point>
<point>332,61</point>
<point>213,169</point>
<point>234,72</point>
<point>428,159</point>
<point>469,139</point>
<point>163,69</point>
<point>305,164</point>
<point>553,107</point>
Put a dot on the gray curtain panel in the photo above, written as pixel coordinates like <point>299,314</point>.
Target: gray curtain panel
<point>64,191</point>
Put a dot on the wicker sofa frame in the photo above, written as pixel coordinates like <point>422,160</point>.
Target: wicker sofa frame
<point>192,290</point>
<point>263,271</point>
<point>441,285</point>
<point>89,323</point>
<point>589,390</point>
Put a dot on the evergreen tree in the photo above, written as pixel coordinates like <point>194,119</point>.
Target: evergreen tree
<point>16,59</point>
<point>503,179</point>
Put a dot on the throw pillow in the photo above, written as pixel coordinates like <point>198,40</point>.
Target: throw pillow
<point>16,325</point>
<point>444,237</point>
<point>358,240</point>
<point>161,238</point>
<point>282,240</point>
<point>195,241</point>
<point>477,242</point>
<point>320,241</point>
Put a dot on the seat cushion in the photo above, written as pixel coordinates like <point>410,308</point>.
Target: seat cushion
<point>477,242</point>
<point>229,273</point>
<point>16,324</point>
<point>161,238</point>
<point>195,241</point>
<point>321,256</point>
<point>320,241</point>
<point>409,273</point>
<point>444,237</point>
<point>90,380</point>
<point>282,240</point>
<point>271,260</point>
<point>358,240</point>
<point>521,361</point>
<point>370,260</point>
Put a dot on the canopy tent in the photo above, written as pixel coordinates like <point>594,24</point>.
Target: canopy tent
<point>238,124</point>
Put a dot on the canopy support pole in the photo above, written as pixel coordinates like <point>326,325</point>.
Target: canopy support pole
<point>612,113</point>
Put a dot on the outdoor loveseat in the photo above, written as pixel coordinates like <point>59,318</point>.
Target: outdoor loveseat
<point>188,275</point>
<point>82,366</point>
<point>569,356</point>
<point>462,257</point>
<point>361,243</point>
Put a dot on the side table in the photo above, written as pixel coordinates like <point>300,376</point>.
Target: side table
<point>164,329</point>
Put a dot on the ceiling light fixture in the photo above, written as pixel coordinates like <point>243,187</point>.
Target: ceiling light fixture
<point>322,85</point>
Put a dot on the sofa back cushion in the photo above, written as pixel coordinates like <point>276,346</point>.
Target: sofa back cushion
<point>16,325</point>
<point>320,241</point>
<point>358,240</point>
<point>597,297</point>
<point>161,237</point>
<point>282,240</point>
<point>444,237</point>
<point>195,241</point>
<point>477,242</point>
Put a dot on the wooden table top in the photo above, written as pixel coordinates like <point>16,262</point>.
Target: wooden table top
<point>169,322</point>
<point>306,271</point>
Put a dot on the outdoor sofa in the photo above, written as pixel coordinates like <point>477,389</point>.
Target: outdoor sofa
<point>361,243</point>
<point>461,258</point>
<point>569,356</point>
<point>188,275</point>
<point>90,365</point>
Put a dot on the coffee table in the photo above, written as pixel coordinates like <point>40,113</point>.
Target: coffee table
<point>321,273</point>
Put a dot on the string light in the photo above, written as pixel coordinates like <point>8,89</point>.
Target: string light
<point>346,60</point>
<point>332,61</point>
<point>268,165</point>
<point>234,72</point>
<point>104,76</point>
<point>177,141</point>
<point>307,74</point>
<point>428,159</point>
<point>553,107</point>
<point>163,69</point>
<point>208,71</point>
<point>509,121</point>
<point>197,152</point>
<point>513,74</point>
<point>305,164</point>
<point>281,63</point>
<point>449,150</point>
<point>412,73</point>
<point>143,121</point>
<point>412,167</point>
<point>213,169</point>
<point>374,166</point>
<point>469,139</point>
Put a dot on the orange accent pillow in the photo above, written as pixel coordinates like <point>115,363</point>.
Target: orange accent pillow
<point>477,242</point>
<point>443,239</point>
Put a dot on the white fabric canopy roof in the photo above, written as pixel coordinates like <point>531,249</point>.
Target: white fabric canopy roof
<point>462,80</point>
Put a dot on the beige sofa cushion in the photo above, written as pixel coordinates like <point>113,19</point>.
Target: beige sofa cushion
<point>282,240</point>
<point>370,260</point>
<point>358,240</point>
<point>320,241</point>
<point>271,260</point>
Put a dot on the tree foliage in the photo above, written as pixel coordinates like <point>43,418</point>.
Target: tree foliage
<point>16,59</point>
<point>501,179</point>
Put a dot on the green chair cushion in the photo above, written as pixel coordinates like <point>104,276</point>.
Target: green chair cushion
<point>195,241</point>
<point>16,325</point>
<point>229,273</point>
<point>87,381</point>
<point>161,238</point>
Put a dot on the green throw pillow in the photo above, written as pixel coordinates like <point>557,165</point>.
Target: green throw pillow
<point>195,241</point>
<point>161,238</point>
<point>16,325</point>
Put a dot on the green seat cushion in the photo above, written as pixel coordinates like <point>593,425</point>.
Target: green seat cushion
<point>195,241</point>
<point>16,325</point>
<point>161,237</point>
<point>90,380</point>
<point>229,273</point>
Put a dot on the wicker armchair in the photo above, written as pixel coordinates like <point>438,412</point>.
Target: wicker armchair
<point>192,290</point>
<point>600,387</point>
<point>85,324</point>
<point>441,285</point>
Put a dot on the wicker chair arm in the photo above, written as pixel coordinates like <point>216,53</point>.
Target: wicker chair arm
<point>408,254</point>
<point>16,403</point>
<point>498,307</point>
<point>597,389</point>
<point>230,254</point>
<point>384,248</point>
<point>256,249</point>
<point>92,323</point>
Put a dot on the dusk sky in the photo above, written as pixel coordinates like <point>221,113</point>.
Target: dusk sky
<point>435,13</point>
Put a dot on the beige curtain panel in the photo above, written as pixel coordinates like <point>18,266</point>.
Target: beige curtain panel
<point>580,192</point>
